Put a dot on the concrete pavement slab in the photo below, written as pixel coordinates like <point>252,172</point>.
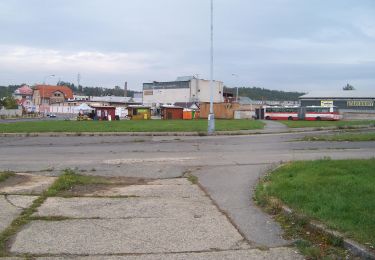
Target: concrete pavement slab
<point>122,236</point>
<point>21,201</point>
<point>26,183</point>
<point>11,207</point>
<point>127,208</point>
<point>175,181</point>
<point>253,254</point>
<point>155,190</point>
<point>8,212</point>
<point>233,194</point>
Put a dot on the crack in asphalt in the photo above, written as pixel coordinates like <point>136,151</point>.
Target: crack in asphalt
<point>11,203</point>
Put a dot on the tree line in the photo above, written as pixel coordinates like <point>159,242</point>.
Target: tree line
<point>96,91</point>
<point>256,93</point>
<point>6,91</point>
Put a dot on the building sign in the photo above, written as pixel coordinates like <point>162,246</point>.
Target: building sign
<point>148,92</point>
<point>360,103</point>
<point>326,103</point>
<point>142,110</point>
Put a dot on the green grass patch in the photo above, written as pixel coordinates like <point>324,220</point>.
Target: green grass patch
<point>342,137</point>
<point>128,126</point>
<point>70,178</point>
<point>5,175</point>
<point>340,194</point>
<point>192,178</point>
<point>338,124</point>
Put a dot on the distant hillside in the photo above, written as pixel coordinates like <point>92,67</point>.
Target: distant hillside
<point>265,94</point>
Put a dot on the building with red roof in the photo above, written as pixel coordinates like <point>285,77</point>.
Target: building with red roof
<point>24,91</point>
<point>44,95</point>
<point>23,95</point>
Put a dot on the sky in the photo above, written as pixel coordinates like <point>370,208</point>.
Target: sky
<point>289,45</point>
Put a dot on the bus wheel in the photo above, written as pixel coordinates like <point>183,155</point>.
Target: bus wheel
<point>268,118</point>
<point>318,118</point>
<point>290,118</point>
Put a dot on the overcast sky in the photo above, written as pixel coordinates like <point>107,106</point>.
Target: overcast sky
<point>277,44</point>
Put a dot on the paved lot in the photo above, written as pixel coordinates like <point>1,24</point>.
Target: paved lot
<point>163,219</point>
<point>168,218</point>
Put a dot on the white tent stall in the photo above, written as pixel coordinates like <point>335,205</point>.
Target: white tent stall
<point>82,108</point>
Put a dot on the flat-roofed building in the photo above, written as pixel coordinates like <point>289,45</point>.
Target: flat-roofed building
<point>353,104</point>
<point>183,89</point>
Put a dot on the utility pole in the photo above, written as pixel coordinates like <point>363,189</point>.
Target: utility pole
<point>126,89</point>
<point>78,80</point>
<point>235,75</point>
<point>211,116</point>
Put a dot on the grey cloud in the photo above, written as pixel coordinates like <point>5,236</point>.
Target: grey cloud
<point>280,44</point>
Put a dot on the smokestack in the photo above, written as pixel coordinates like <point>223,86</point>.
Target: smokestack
<point>126,89</point>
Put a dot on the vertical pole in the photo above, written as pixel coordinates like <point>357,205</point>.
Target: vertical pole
<point>78,80</point>
<point>235,75</point>
<point>126,89</point>
<point>211,116</point>
<point>41,101</point>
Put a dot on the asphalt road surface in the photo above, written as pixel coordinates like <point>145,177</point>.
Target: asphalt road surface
<point>228,167</point>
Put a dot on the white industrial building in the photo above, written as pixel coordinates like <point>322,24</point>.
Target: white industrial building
<point>183,89</point>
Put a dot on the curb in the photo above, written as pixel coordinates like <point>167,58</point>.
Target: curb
<point>354,247</point>
<point>67,134</point>
<point>218,133</point>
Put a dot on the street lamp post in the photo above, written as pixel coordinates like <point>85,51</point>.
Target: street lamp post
<point>235,75</point>
<point>42,100</point>
<point>211,116</point>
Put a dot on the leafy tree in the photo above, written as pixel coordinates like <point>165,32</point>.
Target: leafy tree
<point>69,85</point>
<point>348,87</point>
<point>9,103</point>
<point>8,90</point>
<point>4,92</point>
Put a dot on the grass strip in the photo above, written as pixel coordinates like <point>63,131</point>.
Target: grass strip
<point>65,182</point>
<point>5,175</point>
<point>310,242</point>
<point>339,193</point>
<point>128,126</point>
<point>343,137</point>
<point>337,124</point>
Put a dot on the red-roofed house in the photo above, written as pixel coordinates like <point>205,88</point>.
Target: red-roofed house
<point>25,91</point>
<point>23,95</point>
<point>44,95</point>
